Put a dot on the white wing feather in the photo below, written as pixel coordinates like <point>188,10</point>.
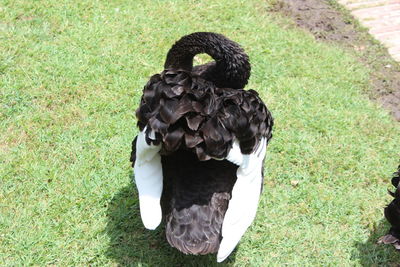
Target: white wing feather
<point>149,181</point>
<point>245,195</point>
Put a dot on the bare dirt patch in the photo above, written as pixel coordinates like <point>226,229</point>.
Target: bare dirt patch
<point>329,22</point>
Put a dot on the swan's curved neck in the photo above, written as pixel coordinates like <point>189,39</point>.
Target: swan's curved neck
<point>232,68</point>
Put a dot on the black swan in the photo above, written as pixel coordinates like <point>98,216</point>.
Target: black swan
<point>392,214</point>
<point>198,158</point>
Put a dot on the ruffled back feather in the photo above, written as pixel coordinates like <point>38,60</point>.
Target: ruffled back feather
<point>187,112</point>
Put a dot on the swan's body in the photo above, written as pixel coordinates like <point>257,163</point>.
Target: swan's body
<point>201,147</point>
<point>392,214</point>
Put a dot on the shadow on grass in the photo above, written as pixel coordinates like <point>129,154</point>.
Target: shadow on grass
<point>372,254</point>
<point>131,244</point>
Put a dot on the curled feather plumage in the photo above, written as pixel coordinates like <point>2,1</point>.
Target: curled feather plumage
<point>186,111</point>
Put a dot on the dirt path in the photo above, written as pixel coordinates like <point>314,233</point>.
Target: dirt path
<point>332,24</point>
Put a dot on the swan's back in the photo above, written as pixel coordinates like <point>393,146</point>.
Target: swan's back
<point>196,199</point>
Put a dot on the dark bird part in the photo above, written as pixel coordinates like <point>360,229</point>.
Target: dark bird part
<point>231,67</point>
<point>392,214</point>
<point>218,114</point>
<point>199,192</point>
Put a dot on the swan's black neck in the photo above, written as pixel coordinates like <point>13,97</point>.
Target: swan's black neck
<point>232,68</point>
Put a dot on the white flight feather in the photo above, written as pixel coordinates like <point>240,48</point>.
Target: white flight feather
<point>149,180</point>
<point>245,195</point>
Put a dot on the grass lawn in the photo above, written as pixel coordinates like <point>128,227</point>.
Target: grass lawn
<point>71,75</point>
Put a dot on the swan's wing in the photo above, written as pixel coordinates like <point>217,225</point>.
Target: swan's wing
<point>245,195</point>
<point>235,155</point>
<point>149,181</point>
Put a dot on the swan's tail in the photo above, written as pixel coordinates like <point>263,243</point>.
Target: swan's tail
<point>392,214</point>
<point>231,68</point>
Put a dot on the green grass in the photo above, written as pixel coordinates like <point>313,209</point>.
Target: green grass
<point>71,75</point>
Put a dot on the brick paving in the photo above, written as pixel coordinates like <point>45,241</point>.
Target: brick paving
<point>382,18</point>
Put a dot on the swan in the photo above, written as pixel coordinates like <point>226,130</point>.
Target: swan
<point>392,215</point>
<point>198,158</point>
